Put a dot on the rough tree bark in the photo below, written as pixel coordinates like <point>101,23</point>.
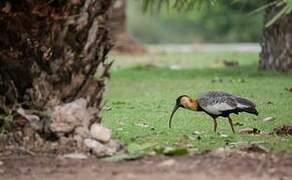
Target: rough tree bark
<point>277,42</point>
<point>123,42</point>
<point>50,50</point>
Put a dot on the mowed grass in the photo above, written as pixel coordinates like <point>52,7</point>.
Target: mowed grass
<point>142,92</point>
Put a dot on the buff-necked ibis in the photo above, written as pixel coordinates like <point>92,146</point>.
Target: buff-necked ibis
<point>215,104</point>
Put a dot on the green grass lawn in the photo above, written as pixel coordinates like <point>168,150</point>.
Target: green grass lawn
<point>142,92</point>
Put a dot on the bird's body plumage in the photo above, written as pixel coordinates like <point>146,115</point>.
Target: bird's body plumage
<point>215,104</point>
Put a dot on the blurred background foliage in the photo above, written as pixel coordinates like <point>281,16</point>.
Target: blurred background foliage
<point>221,22</point>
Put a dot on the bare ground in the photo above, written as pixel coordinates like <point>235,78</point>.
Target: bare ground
<point>253,166</point>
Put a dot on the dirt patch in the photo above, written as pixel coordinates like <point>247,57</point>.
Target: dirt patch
<point>208,166</point>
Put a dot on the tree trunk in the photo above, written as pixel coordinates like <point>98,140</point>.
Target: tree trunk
<point>277,42</point>
<point>123,42</point>
<point>50,50</point>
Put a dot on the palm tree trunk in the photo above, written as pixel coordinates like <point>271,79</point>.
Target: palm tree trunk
<point>123,42</point>
<point>50,50</point>
<point>277,42</point>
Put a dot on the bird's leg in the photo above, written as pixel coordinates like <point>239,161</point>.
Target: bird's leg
<point>231,124</point>
<point>215,125</point>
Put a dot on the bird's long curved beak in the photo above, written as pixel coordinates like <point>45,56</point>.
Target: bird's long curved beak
<point>173,111</point>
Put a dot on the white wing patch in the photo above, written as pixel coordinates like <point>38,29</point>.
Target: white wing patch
<point>217,109</point>
<point>242,106</point>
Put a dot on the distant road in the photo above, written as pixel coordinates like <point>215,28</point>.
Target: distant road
<point>214,47</point>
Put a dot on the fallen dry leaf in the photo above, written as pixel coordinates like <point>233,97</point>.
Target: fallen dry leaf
<point>226,62</point>
<point>284,130</point>
<point>249,131</point>
<point>289,89</point>
<point>255,148</point>
<point>142,124</point>
<point>268,119</point>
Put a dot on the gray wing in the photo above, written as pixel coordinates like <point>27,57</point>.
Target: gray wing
<point>216,102</point>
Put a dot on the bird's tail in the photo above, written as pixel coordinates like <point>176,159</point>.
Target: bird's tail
<point>247,106</point>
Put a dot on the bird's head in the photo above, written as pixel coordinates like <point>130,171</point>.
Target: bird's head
<point>185,102</point>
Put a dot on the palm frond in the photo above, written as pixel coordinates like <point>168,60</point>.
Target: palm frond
<point>279,14</point>
<point>150,5</point>
<point>285,6</point>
